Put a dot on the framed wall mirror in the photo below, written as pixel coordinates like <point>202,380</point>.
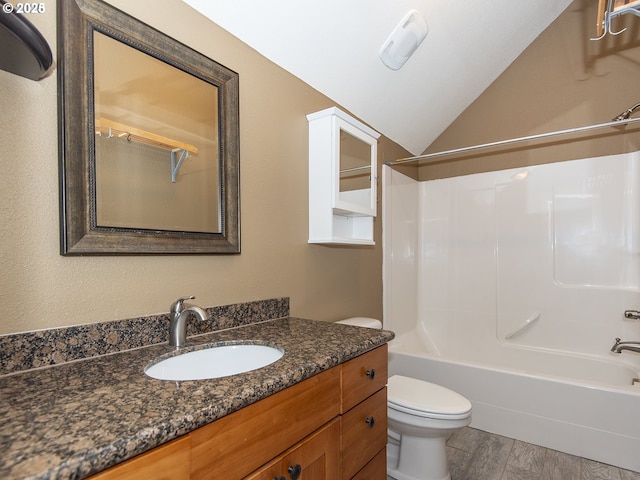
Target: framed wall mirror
<point>149,139</point>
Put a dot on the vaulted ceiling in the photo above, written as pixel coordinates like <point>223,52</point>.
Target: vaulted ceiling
<point>333,45</point>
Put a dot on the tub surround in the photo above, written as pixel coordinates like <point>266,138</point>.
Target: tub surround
<point>23,351</point>
<point>78,418</point>
<point>466,317</point>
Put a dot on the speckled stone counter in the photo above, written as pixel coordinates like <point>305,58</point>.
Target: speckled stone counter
<point>71,420</point>
<point>24,351</point>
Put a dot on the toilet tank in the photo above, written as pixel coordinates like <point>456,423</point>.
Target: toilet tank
<point>362,322</point>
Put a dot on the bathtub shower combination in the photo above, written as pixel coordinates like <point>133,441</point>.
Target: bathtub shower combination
<point>510,288</point>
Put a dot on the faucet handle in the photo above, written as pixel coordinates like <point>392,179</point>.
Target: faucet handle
<point>178,305</point>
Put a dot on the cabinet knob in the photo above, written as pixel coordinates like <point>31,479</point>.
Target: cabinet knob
<point>370,421</point>
<point>370,373</point>
<point>294,471</point>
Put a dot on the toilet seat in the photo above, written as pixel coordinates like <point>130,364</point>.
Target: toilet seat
<point>424,399</point>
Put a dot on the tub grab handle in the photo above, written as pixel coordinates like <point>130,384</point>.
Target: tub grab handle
<point>531,319</point>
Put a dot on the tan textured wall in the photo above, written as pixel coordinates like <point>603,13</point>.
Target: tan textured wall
<point>562,80</point>
<point>40,289</point>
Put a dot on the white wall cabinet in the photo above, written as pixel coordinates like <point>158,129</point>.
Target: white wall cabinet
<point>343,156</point>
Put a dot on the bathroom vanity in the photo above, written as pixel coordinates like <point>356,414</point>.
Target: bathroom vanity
<point>330,426</point>
<point>317,413</point>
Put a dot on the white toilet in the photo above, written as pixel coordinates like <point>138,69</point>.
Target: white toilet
<point>421,415</point>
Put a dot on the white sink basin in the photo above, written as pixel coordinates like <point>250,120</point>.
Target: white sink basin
<point>214,362</point>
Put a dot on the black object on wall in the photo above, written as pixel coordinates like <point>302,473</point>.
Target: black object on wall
<point>23,49</point>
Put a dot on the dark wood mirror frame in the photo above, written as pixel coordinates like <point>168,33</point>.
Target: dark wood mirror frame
<point>80,235</point>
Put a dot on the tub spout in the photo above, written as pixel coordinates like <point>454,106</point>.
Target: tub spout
<point>619,346</point>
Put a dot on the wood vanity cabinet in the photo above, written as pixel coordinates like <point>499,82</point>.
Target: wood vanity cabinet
<point>328,427</point>
<point>364,416</point>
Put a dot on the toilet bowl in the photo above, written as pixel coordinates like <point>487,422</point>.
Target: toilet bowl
<point>420,416</point>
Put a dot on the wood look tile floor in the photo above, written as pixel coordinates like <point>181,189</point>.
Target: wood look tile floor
<point>477,455</point>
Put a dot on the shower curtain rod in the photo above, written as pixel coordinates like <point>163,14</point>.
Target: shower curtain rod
<point>430,156</point>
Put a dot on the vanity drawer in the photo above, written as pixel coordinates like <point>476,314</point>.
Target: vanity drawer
<point>376,469</point>
<point>362,376</point>
<point>364,433</point>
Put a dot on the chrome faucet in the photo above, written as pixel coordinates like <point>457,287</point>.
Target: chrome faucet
<point>178,320</point>
<point>619,346</point>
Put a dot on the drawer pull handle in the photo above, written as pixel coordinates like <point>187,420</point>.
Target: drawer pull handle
<point>294,471</point>
<point>370,421</point>
<point>370,373</point>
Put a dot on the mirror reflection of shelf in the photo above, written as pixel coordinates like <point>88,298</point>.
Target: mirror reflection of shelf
<point>348,171</point>
<point>133,134</point>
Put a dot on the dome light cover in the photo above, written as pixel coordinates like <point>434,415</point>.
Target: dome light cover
<point>404,40</point>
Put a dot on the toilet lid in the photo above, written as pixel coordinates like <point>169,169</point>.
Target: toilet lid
<point>425,399</point>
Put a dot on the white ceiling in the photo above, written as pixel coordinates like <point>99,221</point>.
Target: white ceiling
<point>333,46</point>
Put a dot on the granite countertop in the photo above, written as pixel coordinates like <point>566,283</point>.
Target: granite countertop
<point>72,420</point>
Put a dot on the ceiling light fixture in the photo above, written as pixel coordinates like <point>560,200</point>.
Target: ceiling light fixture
<point>404,40</point>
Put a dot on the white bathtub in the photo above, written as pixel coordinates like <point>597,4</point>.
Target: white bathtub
<point>509,287</point>
<point>571,403</point>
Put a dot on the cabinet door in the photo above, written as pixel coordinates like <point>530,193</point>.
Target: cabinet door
<point>315,458</point>
<point>355,170</point>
